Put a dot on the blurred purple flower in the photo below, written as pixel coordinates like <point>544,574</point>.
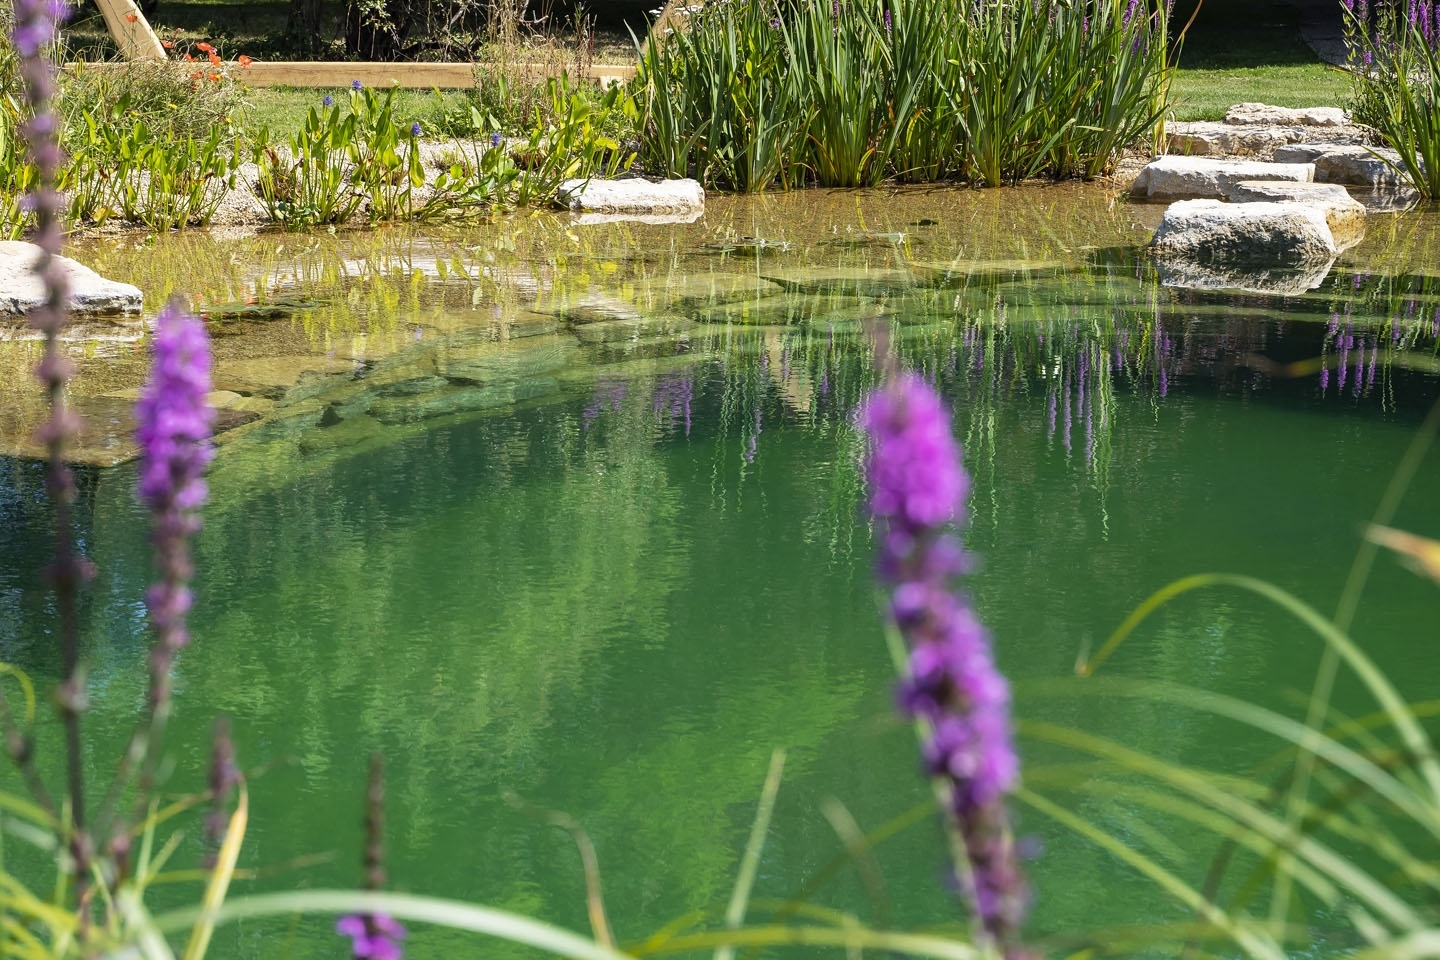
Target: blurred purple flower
<point>917,489</point>
<point>374,936</point>
<point>415,129</point>
<point>327,101</point>
<point>495,139</point>
<point>356,85</point>
<point>173,427</point>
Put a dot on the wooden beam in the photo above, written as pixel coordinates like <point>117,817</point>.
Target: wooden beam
<point>131,31</point>
<point>417,76</point>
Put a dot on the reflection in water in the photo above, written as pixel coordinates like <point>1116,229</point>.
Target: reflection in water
<point>638,565</point>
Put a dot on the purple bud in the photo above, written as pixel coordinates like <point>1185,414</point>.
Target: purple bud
<point>374,936</point>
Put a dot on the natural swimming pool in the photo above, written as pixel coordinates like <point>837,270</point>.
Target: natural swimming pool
<point>618,586</point>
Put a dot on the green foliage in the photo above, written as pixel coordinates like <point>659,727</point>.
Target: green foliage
<point>156,180</point>
<point>1395,70</point>
<point>173,99</point>
<point>17,176</point>
<point>342,163</point>
<point>308,185</point>
<point>748,93</point>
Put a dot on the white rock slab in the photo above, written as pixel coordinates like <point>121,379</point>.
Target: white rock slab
<point>1279,233</point>
<point>1347,163</point>
<point>1359,167</point>
<point>1344,214</point>
<point>1203,138</point>
<point>1302,152</point>
<point>1166,179</point>
<point>91,295</point>
<point>1266,115</point>
<point>632,196</point>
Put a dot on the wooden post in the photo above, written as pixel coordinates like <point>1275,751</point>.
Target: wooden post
<point>131,30</point>
<point>670,19</point>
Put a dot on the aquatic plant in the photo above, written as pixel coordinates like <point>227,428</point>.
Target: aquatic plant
<point>1394,64</point>
<point>750,93</point>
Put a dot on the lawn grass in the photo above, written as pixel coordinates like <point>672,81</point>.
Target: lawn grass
<point>1239,51</point>
<point>1205,93</point>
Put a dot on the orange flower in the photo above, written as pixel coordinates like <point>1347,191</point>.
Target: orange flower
<point>189,58</point>
<point>215,77</point>
<point>131,18</point>
<point>196,75</point>
<point>168,44</point>
<point>245,61</point>
<point>214,59</point>
<point>204,47</point>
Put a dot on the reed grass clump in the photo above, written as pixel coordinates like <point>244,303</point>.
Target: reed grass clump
<point>753,93</point>
<point>1395,66</point>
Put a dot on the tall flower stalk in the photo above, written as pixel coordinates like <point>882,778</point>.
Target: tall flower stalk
<point>174,423</point>
<point>950,685</point>
<point>35,30</point>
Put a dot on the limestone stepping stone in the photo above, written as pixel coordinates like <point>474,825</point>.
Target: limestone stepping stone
<point>1246,114</point>
<point>1344,214</point>
<point>1166,179</point>
<point>1346,163</point>
<point>632,196</point>
<point>1207,138</point>
<point>91,295</point>
<point>653,219</point>
<point>1270,233</point>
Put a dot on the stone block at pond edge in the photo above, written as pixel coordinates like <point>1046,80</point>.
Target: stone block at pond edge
<point>632,196</point>
<point>1344,214</point>
<point>91,295</point>
<point>1167,179</point>
<point>1349,164</point>
<point>1244,114</point>
<point>1265,233</point>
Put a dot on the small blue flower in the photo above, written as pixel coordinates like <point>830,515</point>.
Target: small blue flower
<point>329,101</point>
<point>356,85</point>
<point>415,129</point>
<point>495,139</point>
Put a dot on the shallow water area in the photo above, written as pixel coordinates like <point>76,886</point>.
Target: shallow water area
<point>574,511</point>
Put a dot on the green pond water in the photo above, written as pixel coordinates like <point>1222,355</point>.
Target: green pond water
<point>616,590</point>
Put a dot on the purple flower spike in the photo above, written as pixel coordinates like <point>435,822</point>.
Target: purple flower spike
<point>373,936</point>
<point>356,85</point>
<point>327,100</point>
<point>917,489</point>
<point>174,423</point>
<point>415,129</point>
